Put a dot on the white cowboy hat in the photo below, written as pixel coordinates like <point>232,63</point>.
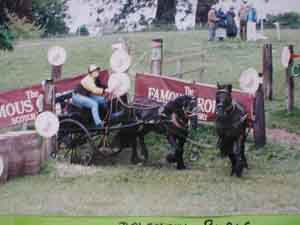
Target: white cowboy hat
<point>92,68</point>
<point>249,81</point>
<point>120,61</point>
<point>118,84</point>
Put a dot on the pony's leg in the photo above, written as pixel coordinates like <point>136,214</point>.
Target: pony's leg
<point>245,160</point>
<point>171,157</point>
<point>221,145</point>
<point>144,149</point>
<point>134,155</point>
<point>239,164</point>
<point>242,144</point>
<point>179,154</point>
<point>232,160</point>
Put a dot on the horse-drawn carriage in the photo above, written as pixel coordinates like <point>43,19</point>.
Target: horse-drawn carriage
<point>124,124</point>
<point>77,139</point>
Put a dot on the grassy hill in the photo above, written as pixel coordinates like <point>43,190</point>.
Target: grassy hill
<point>223,61</point>
<point>115,187</point>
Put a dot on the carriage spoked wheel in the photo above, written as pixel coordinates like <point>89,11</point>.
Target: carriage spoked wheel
<point>107,143</point>
<point>74,143</point>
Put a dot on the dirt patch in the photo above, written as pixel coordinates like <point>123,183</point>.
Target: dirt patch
<point>283,136</point>
<point>70,170</point>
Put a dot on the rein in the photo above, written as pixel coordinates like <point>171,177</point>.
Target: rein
<point>174,118</point>
<point>136,107</point>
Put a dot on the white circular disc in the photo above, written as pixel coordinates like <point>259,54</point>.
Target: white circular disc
<point>285,57</point>
<point>120,61</point>
<point>57,56</point>
<point>1,165</point>
<point>118,84</point>
<point>47,124</point>
<point>249,81</point>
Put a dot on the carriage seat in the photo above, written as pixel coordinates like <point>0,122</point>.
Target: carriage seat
<point>63,97</point>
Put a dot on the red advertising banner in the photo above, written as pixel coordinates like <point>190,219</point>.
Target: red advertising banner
<point>22,105</point>
<point>162,89</point>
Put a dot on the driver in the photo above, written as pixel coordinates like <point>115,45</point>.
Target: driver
<point>88,94</point>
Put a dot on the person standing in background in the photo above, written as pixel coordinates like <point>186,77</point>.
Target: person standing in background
<point>243,14</point>
<point>212,23</point>
<point>221,24</point>
<point>231,28</point>
<point>251,23</point>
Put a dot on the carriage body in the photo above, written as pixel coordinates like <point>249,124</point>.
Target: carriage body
<point>78,140</point>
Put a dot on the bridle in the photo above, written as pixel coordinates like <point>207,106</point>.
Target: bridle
<point>228,109</point>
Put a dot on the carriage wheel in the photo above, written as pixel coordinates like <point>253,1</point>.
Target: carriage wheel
<point>74,143</point>
<point>106,144</point>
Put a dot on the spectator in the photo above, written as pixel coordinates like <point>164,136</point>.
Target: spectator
<point>212,20</point>
<point>251,23</point>
<point>221,25</point>
<point>243,14</point>
<point>231,28</point>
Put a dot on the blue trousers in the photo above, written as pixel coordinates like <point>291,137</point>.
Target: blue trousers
<point>92,102</point>
<point>211,33</point>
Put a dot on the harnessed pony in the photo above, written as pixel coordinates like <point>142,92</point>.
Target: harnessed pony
<point>231,125</point>
<point>171,120</point>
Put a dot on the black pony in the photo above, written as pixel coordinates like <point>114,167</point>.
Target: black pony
<point>171,120</point>
<point>231,125</point>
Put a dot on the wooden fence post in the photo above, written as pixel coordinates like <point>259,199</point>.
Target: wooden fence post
<point>179,68</point>
<point>290,82</point>
<point>49,145</point>
<point>157,56</point>
<point>55,76</point>
<point>277,24</point>
<point>56,72</point>
<point>202,70</point>
<point>194,119</point>
<point>49,96</point>
<point>259,126</point>
<point>268,71</point>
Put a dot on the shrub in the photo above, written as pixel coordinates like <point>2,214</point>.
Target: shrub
<point>83,31</point>
<point>50,15</point>
<point>6,39</point>
<point>22,28</point>
<point>286,20</point>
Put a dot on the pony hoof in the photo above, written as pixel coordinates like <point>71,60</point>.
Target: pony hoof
<point>136,161</point>
<point>181,167</point>
<point>170,158</point>
<point>239,175</point>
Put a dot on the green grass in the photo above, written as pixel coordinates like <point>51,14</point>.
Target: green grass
<point>286,120</point>
<point>115,187</point>
<point>118,188</point>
